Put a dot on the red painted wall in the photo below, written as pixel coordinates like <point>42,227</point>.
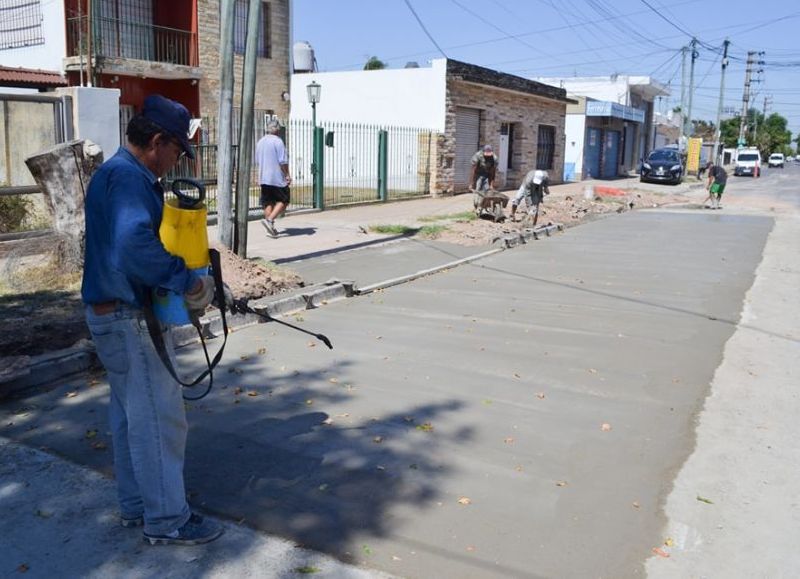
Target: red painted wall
<point>135,89</point>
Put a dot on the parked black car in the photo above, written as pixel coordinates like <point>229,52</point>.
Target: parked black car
<point>662,166</point>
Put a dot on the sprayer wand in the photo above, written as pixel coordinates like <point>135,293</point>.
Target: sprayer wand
<point>241,306</point>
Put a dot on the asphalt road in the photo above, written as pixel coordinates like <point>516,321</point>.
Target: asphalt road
<point>523,416</point>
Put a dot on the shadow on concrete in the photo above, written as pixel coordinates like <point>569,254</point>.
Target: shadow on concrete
<point>297,231</point>
<point>264,452</point>
<point>340,249</point>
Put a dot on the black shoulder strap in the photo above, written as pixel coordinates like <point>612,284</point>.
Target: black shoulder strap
<point>156,335</point>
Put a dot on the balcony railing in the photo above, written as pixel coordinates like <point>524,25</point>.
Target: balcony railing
<point>115,38</point>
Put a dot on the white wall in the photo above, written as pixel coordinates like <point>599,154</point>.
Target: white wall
<point>47,56</point>
<point>575,130</point>
<point>603,89</point>
<point>413,97</point>
<point>95,114</point>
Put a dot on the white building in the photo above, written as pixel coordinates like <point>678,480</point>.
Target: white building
<point>611,128</point>
<point>32,34</point>
<point>465,105</point>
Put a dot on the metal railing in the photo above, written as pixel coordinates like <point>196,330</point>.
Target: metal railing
<point>117,38</point>
<point>351,165</point>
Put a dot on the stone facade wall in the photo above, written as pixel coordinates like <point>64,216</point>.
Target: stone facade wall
<point>500,106</point>
<point>272,74</point>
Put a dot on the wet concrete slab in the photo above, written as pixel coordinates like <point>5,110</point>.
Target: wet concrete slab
<point>521,416</point>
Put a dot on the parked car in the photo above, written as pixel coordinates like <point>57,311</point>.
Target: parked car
<point>748,162</point>
<point>662,166</point>
<point>776,160</point>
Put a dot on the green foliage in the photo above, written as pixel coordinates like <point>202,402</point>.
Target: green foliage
<point>14,210</point>
<point>393,229</point>
<point>463,216</point>
<point>704,130</point>
<point>432,231</point>
<point>375,63</point>
<point>768,134</point>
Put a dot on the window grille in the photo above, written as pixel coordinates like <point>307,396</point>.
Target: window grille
<point>240,29</point>
<point>546,147</point>
<point>20,23</point>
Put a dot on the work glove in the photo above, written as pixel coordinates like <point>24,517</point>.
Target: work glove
<point>196,301</point>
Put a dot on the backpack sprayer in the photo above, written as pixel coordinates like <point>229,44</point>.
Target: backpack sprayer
<point>184,233</point>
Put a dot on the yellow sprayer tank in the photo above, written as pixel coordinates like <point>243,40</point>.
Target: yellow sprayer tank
<point>184,233</point>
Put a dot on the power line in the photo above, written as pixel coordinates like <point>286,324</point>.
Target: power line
<point>425,30</point>
<point>508,35</point>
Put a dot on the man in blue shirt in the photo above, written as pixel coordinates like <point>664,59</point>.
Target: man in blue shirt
<point>124,262</point>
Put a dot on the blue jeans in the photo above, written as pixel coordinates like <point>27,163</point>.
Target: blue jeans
<point>147,420</point>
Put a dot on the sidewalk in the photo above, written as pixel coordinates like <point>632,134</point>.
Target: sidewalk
<point>314,234</point>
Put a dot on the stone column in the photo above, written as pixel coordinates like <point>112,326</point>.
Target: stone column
<point>63,172</point>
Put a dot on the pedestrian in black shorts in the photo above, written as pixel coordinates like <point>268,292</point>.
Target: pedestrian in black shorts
<point>273,172</point>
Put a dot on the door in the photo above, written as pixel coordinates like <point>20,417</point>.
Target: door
<point>468,134</point>
<point>611,154</point>
<point>591,160</point>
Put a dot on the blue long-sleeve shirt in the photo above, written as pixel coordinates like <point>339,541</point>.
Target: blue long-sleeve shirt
<point>124,257</point>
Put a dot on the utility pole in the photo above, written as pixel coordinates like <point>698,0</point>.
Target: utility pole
<point>746,97</point>
<point>246,128</point>
<point>695,54</point>
<point>683,92</point>
<point>224,137</point>
<point>748,80</point>
<point>89,53</point>
<point>767,102</point>
<point>718,131</point>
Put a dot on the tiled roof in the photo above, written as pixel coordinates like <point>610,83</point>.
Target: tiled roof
<point>30,78</point>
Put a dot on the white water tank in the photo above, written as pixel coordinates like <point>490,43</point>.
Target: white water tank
<point>303,57</point>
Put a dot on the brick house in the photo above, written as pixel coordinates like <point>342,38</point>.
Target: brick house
<point>467,105</point>
<point>172,48</point>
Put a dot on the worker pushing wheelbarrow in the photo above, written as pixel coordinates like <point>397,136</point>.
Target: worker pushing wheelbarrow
<point>484,197</point>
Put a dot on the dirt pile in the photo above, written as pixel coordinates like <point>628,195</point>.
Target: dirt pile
<point>569,210</point>
<point>37,318</point>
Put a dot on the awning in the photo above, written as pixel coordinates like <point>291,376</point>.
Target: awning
<point>616,110</point>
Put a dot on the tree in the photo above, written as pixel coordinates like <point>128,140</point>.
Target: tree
<point>375,63</point>
<point>704,130</point>
<point>772,136</point>
<point>768,134</point>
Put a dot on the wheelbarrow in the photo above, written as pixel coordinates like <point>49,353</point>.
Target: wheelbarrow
<point>489,202</point>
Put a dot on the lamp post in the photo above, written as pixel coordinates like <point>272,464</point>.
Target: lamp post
<point>314,90</point>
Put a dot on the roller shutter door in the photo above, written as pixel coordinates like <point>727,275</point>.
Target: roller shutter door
<point>468,134</point>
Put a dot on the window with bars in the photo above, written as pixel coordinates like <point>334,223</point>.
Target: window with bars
<point>546,147</point>
<point>240,29</point>
<point>20,23</point>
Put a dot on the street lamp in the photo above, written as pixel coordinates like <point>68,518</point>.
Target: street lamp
<point>314,92</point>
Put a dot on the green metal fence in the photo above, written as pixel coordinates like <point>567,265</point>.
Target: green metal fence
<point>356,163</point>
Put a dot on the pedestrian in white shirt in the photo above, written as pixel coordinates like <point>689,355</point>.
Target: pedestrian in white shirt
<point>273,175</point>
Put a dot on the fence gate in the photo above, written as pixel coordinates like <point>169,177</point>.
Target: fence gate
<point>29,124</point>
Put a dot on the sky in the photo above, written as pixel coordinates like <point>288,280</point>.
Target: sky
<point>563,38</point>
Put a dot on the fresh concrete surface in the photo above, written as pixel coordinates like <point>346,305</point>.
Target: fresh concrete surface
<point>629,322</point>
<point>431,397</point>
<point>59,521</point>
<point>746,460</point>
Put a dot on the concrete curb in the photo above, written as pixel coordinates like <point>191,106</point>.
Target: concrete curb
<point>508,242</point>
<point>46,368</point>
<point>527,234</point>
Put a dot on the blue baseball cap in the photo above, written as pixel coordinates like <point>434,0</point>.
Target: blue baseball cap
<point>171,116</point>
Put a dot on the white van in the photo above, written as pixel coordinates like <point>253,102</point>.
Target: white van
<point>776,160</point>
<point>748,162</point>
